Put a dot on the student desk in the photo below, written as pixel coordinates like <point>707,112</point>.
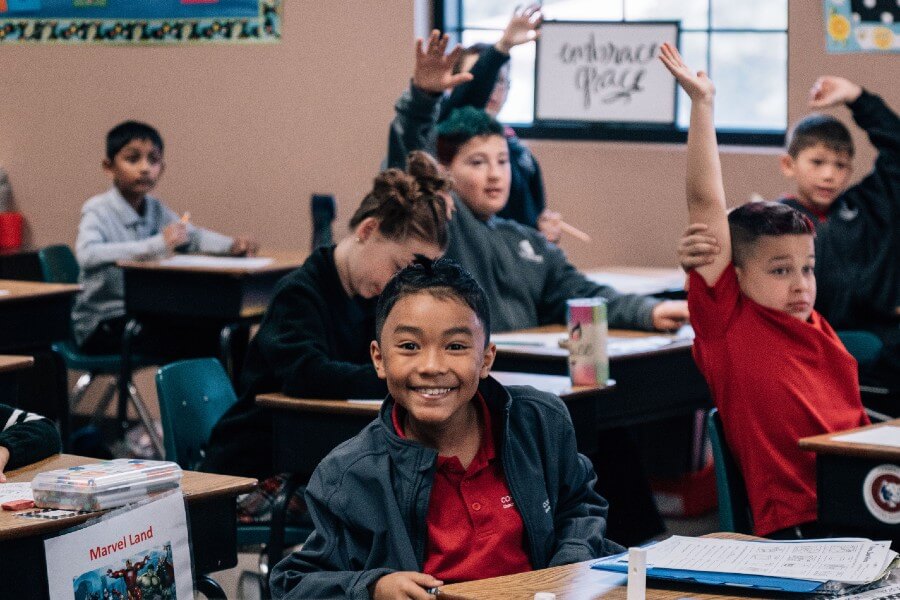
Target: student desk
<point>579,582</point>
<point>211,518</point>
<point>858,484</point>
<point>229,299</point>
<point>33,315</point>
<point>662,282</point>
<point>652,385</point>
<point>10,367</point>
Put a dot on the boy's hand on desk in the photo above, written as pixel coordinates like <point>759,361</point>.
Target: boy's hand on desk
<point>698,86</point>
<point>405,584</point>
<point>670,315</point>
<point>4,458</point>
<point>244,245</point>
<point>829,91</point>
<point>434,69</point>
<point>522,28</point>
<point>697,247</point>
<point>175,234</point>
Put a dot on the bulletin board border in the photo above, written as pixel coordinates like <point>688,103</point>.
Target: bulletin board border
<point>263,28</point>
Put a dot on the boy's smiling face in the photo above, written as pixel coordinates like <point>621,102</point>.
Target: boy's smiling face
<point>821,175</point>
<point>135,169</point>
<point>432,354</point>
<point>779,274</point>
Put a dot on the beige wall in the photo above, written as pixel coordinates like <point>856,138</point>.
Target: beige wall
<point>252,131</point>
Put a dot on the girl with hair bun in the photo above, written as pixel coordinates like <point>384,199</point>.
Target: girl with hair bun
<point>314,339</point>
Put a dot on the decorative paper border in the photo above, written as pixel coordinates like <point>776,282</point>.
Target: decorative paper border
<point>265,28</point>
<point>846,32</point>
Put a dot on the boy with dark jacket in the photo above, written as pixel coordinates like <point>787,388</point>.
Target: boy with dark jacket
<point>459,478</point>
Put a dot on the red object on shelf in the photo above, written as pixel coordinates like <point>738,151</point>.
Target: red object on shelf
<point>690,495</point>
<point>10,230</point>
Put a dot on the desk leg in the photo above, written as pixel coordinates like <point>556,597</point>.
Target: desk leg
<point>233,341</point>
<point>131,331</point>
<point>61,375</point>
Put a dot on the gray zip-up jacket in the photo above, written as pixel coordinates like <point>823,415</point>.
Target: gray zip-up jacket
<point>111,230</point>
<point>369,499</point>
<point>527,280</point>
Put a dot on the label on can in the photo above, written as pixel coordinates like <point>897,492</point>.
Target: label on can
<point>588,362</point>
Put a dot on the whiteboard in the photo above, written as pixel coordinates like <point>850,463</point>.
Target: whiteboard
<point>604,72</point>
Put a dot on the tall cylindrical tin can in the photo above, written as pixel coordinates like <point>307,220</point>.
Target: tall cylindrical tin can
<point>588,362</point>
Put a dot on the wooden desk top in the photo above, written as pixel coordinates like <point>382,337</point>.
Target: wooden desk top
<point>558,353</point>
<point>283,260</point>
<point>579,582</point>
<point>824,444</point>
<point>196,486</point>
<point>12,290</point>
<point>561,386</point>
<point>14,363</point>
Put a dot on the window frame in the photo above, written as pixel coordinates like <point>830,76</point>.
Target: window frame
<point>448,17</point>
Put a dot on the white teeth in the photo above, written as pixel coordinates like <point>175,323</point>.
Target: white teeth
<point>433,391</point>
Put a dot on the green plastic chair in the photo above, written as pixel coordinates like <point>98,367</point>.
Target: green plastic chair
<point>863,345</point>
<point>59,265</point>
<point>193,396</point>
<point>734,507</point>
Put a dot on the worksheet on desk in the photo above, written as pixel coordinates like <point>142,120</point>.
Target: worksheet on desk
<point>887,435</point>
<point>217,262</point>
<point>15,491</point>
<point>846,560</point>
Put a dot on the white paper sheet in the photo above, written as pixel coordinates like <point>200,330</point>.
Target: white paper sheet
<point>366,401</point>
<point>534,340</point>
<point>554,384</point>
<point>617,346</point>
<point>150,541</point>
<point>216,262</point>
<point>853,561</point>
<point>889,435</point>
<point>15,491</point>
<point>638,284</point>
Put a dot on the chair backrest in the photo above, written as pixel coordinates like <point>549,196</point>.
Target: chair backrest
<point>865,346</point>
<point>734,508</point>
<point>193,395</point>
<point>323,210</point>
<point>58,264</point>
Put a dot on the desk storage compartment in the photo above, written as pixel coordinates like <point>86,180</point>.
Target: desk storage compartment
<point>108,484</point>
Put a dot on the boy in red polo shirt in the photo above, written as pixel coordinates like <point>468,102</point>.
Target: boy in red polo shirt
<point>460,478</point>
<point>776,369</point>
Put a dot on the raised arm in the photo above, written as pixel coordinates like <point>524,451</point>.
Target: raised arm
<point>705,192</point>
<point>416,112</point>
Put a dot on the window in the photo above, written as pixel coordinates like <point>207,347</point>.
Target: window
<point>742,45</point>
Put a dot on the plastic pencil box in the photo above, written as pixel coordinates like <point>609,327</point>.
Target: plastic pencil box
<point>103,485</point>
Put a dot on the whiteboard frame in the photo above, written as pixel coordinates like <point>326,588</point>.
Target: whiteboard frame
<point>654,125</point>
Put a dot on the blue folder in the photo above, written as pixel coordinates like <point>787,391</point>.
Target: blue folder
<point>759,582</point>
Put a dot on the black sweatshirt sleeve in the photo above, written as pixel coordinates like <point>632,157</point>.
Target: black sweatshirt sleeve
<point>28,437</point>
<point>477,92</point>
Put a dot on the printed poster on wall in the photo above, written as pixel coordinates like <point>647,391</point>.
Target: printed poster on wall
<point>140,21</point>
<point>862,25</point>
<point>604,72</point>
<point>138,553</point>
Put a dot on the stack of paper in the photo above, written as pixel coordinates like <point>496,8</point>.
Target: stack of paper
<point>792,566</point>
<point>216,262</point>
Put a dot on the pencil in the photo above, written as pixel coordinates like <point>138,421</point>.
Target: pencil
<point>575,232</point>
<point>186,218</point>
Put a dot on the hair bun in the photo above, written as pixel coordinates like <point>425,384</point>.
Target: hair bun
<point>427,173</point>
<point>394,185</point>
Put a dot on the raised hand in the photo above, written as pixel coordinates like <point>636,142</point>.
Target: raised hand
<point>697,247</point>
<point>524,27</point>
<point>434,69</point>
<point>829,91</point>
<point>698,86</point>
